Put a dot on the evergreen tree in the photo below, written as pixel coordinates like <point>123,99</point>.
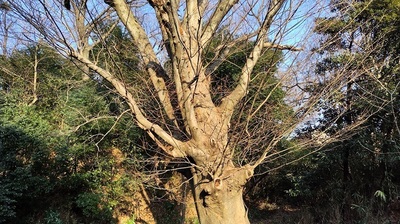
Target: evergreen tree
<point>362,168</point>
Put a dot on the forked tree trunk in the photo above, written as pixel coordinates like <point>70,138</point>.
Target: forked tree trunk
<point>220,200</point>
<point>186,29</point>
<point>218,184</point>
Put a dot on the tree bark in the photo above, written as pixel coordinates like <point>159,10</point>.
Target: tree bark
<point>346,155</point>
<point>220,200</point>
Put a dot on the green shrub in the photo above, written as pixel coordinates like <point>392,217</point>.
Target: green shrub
<point>94,208</point>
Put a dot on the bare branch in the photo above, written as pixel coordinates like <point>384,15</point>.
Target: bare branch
<point>281,47</point>
<point>229,102</point>
<point>219,13</point>
<point>142,121</point>
<point>152,64</point>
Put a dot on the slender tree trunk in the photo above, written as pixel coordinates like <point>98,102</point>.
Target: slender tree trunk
<point>35,77</point>
<point>345,183</point>
<point>346,154</point>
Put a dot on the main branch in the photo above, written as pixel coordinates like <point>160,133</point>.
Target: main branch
<point>177,148</point>
<point>152,64</point>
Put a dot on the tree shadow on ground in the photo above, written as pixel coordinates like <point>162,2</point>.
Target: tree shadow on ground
<point>262,212</point>
<point>172,201</point>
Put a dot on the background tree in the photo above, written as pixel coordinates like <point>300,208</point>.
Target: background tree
<point>5,26</point>
<point>366,34</point>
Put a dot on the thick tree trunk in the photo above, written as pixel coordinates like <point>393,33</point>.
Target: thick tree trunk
<point>220,200</point>
<point>230,209</point>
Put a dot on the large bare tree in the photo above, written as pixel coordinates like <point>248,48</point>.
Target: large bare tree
<point>191,127</point>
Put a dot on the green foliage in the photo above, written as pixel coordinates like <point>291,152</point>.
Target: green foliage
<point>119,56</point>
<point>358,175</point>
<point>131,220</point>
<point>48,166</point>
<point>192,221</point>
<point>380,195</point>
<point>329,25</point>
<point>354,180</point>
<point>52,217</point>
<point>225,78</point>
<point>24,140</point>
<point>264,105</point>
<point>7,201</point>
<point>93,207</point>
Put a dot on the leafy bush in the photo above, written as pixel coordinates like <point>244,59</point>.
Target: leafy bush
<point>94,208</point>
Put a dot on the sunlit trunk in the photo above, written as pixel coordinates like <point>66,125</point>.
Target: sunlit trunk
<point>220,200</point>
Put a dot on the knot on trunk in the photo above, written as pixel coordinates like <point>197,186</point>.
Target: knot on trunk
<point>218,183</point>
<point>203,196</point>
<point>211,190</point>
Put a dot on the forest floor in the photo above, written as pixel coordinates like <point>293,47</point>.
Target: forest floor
<point>266,213</point>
